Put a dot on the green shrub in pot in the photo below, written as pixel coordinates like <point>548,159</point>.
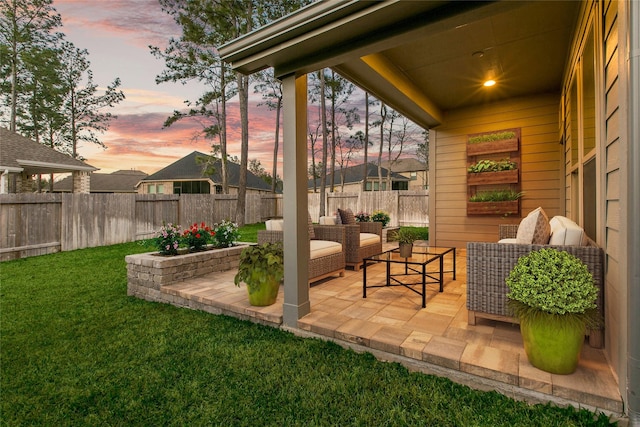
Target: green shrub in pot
<point>553,295</point>
<point>262,269</point>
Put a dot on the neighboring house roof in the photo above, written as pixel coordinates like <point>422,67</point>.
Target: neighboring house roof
<point>122,181</point>
<point>189,169</point>
<point>353,174</point>
<point>20,154</point>
<point>405,165</point>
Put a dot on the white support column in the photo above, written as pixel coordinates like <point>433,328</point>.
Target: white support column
<point>296,231</point>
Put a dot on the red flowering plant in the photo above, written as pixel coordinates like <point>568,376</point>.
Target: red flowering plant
<point>197,236</point>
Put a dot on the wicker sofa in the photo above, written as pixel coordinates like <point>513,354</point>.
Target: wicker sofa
<point>489,264</point>
<point>322,266</point>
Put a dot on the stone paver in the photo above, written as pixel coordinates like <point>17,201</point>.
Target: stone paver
<point>392,320</point>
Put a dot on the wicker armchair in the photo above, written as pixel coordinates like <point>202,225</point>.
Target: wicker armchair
<point>323,266</point>
<point>355,252</point>
<point>489,264</point>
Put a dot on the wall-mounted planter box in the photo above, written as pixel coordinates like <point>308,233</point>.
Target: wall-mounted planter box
<point>488,178</point>
<point>490,147</point>
<point>509,207</point>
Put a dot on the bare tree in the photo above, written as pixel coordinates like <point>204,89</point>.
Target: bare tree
<point>323,120</point>
<point>271,90</point>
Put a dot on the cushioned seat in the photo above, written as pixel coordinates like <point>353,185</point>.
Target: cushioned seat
<point>369,239</point>
<point>363,239</point>
<point>489,264</point>
<point>326,248</point>
<point>320,248</point>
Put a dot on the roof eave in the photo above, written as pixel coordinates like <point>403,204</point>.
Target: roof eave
<point>59,167</point>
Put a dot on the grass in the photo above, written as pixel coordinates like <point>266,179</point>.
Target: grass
<point>495,196</point>
<point>76,350</point>
<point>422,233</point>
<point>249,232</point>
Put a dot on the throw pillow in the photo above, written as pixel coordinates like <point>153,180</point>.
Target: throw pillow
<point>347,216</point>
<point>565,232</point>
<point>534,229</point>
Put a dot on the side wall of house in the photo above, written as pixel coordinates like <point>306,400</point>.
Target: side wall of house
<point>540,169</point>
<point>613,147</point>
<point>605,19</point>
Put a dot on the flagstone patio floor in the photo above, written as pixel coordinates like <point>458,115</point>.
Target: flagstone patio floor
<point>391,324</point>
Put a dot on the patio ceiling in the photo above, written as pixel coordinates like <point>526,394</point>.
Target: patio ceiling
<point>422,57</point>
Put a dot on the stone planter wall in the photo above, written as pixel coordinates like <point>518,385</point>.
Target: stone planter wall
<point>148,272</point>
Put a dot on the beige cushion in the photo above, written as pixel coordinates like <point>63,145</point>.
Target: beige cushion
<point>534,229</point>
<point>509,240</point>
<point>320,248</point>
<point>274,224</point>
<point>347,216</point>
<point>565,232</point>
<point>328,220</point>
<point>367,239</point>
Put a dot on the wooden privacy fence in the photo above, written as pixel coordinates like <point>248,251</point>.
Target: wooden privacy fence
<point>404,207</point>
<point>36,224</point>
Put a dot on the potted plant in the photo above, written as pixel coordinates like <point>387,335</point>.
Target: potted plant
<point>381,216</point>
<point>362,217</point>
<point>262,269</point>
<point>553,295</point>
<point>406,236</point>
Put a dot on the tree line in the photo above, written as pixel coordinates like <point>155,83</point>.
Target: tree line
<point>46,82</point>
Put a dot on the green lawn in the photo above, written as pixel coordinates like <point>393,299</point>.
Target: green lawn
<point>77,351</point>
<point>249,233</point>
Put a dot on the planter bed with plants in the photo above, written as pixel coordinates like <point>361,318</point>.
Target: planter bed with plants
<point>495,202</point>
<point>496,142</point>
<point>486,172</point>
<point>509,207</point>
<point>209,250</point>
<point>489,178</point>
<point>147,273</point>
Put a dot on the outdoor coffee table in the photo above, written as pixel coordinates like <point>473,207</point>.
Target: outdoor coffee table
<point>401,271</point>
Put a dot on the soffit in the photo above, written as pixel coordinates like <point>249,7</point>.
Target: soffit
<point>418,57</point>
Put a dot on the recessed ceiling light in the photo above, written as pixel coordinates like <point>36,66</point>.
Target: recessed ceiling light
<point>489,83</point>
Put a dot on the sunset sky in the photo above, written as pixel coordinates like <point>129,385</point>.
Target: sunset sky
<point>117,34</point>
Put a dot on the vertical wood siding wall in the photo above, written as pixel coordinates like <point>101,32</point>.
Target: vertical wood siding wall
<point>36,224</point>
<point>540,171</point>
<point>615,297</point>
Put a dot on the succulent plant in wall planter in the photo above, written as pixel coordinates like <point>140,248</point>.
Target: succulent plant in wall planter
<point>262,269</point>
<point>553,295</point>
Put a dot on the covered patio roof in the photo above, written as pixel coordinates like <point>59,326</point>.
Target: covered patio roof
<point>422,58</point>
